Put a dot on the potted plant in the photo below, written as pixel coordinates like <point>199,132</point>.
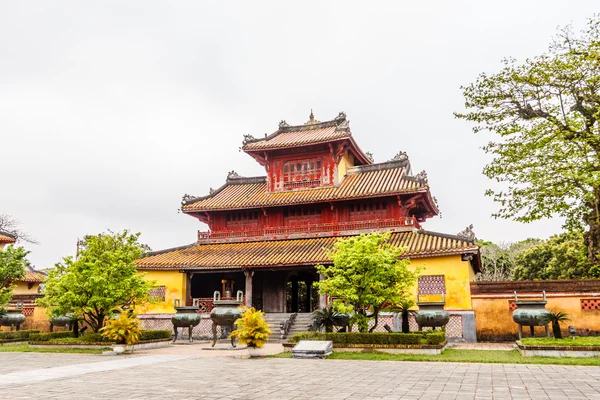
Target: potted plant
<point>555,318</point>
<point>252,330</point>
<point>124,330</point>
<point>328,318</point>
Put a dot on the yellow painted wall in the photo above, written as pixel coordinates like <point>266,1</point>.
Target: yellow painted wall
<point>23,288</point>
<point>494,321</point>
<point>347,161</point>
<point>457,275</point>
<point>174,282</point>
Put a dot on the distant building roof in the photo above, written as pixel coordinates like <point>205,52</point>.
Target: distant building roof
<point>280,253</point>
<point>375,180</point>
<point>34,276</point>
<point>6,237</point>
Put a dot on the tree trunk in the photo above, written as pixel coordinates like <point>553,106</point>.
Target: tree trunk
<point>376,315</point>
<point>76,328</point>
<point>592,237</point>
<point>405,326</point>
<point>556,330</point>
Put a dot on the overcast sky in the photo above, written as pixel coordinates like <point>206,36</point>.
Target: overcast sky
<point>111,111</point>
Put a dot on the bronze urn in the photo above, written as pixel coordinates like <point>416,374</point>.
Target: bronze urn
<point>531,313</point>
<point>13,318</point>
<point>185,317</point>
<point>225,313</point>
<point>432,314</point>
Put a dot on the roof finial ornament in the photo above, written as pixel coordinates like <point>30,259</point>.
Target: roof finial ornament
<point>468,233</point>
<point>370,156</point>
<point>422,176</point>
<point>311,119</point>
<point>233,175</point>
<point>247,139</point>
<point>401,156</point>
<point>188,198</point>
<point>282,124</point>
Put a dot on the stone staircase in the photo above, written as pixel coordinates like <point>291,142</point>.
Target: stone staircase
<point>274,321</point>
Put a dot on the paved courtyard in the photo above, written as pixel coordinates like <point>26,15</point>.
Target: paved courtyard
<point>189,373</point>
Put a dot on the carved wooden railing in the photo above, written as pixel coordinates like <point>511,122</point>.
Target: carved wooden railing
<point>205,304</point>
<point>312,228</point>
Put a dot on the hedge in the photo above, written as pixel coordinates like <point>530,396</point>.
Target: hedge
<point>44,337</point>
<point>17,334</point>
<point>342,338</point>
<point>435,338</point>
<point>154,335</point>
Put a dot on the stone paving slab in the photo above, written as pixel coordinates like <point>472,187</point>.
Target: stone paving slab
<point>199,377</point>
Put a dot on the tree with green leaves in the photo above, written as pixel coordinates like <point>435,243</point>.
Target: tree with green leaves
<point>368,274</point>
<point>498,260</point>
<point>12,267</point>
<point>102,278</point>
<point>546,112</point>
<point>562,256</point>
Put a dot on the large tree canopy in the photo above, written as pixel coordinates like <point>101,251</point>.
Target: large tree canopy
<point>546,111</point>
<point>102,278</point>
<point>498,261</point>
<point>368,274</point>
<point>12,267</point>
<point>562,256</point>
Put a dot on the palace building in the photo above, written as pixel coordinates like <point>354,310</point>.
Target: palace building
<point>265,234</point>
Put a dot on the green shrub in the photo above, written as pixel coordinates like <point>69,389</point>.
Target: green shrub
<point>154,335</point>
<point>435,338</point>
<point>81,339</point>
<point>345,338</point>
<point>44,337</point>
<point>306,336</point>
<point>18,334</point>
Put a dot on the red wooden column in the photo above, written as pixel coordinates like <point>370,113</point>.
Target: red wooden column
<point>249,274</point>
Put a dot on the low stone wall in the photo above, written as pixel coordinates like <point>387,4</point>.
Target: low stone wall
<point>558,351</point>
<point>493,305</point>
<point>379,348</point>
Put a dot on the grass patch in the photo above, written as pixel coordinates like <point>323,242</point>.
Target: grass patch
<point>578,341</point>
<point>470,356</point>
<point>25,348</point>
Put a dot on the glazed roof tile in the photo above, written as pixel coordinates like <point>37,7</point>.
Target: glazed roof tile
<point>280,253</point>
<point>373,180</point>
<point>6,237</point>
<point>33,276</point>
<point>313,132</point>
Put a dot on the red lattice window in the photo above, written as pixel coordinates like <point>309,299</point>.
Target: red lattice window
<point>368,211</point>
<point>28,311</point>
<point>590,304</point>
<point>512,306</point>
<point>432,284</point>
<point>242,220</point>
<point>302,173</point>
<point>158,293</point>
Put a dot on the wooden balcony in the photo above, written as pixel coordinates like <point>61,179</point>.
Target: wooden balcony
<point>308,230</point>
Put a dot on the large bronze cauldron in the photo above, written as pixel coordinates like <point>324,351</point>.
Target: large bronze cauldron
<point>531,313</point>
<point>12,318</point>
<point>225,313</point>
<point>61,320</point>
<point>186,317</point>
<point>432,314</point>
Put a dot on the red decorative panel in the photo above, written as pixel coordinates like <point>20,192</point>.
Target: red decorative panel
<point>158,292</point>
<point>432,284</point>
<point>511,305</point>
<point>28,311</point>
<point>590,304</point>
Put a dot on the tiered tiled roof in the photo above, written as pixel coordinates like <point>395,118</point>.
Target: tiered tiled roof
<point>375,180</point>
<point>281,253</point>
<point>311,133</point>
<point>33,276</point>
<point>6,237</point>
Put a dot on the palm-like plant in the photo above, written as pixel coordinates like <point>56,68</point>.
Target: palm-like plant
<point>123,330</point>
<point>405,311</point>
<point>328,318</point>
<point>555,318</point>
